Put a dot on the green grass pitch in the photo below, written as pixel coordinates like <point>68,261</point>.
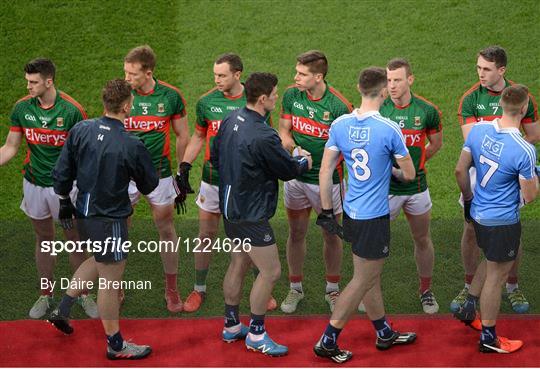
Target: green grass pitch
<point>88,40</point>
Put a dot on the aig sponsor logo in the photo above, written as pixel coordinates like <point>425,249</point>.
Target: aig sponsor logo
<point>359,134</point>
<point>492,146</point>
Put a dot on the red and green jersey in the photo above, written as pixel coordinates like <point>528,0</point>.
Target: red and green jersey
<point>417,120</point>
<point>45,131</point>
<point>311,120</point>
<point>212,108</point>
<point>151,119</point>
<point>479,103</point>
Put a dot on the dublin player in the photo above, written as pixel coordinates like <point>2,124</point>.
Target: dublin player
<point>482,103</point>
<point>228,96</point>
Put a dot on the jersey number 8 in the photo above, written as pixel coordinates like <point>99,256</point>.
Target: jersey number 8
<point>361,158</point>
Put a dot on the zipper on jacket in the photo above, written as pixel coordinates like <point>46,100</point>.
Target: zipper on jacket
<point>227,194</point>
<point>86,203</point>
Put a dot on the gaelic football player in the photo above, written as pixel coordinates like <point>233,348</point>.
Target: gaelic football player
<point>157,108</point>
<point>44,118</point>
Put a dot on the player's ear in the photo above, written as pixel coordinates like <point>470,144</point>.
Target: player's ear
<point>502,70</point>
<point>237,75</point>
<point>410,79</point>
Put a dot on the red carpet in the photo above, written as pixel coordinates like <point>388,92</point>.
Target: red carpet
<point>441,341</point>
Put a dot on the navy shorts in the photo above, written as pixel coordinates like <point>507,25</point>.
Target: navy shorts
<point>107,233</point>
<point>499,243</point>
<point>370,238</point>
<point>255,233</point>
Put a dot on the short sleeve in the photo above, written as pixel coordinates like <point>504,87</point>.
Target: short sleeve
<point>466,110</point>
<point>286,104</point>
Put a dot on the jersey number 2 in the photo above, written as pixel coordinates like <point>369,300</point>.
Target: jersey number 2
<point>493,166</point>
<point>361,158</point>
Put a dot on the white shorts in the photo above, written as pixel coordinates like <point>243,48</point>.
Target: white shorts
<point>300,195</point>
<point>472,175</point>
<point>41,202</point>
<point>164,194</point>
<point>416,204</point>
<point>208,198</point>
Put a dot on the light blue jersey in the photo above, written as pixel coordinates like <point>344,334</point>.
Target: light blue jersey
<point>368,143</point>
<point>501,157</point>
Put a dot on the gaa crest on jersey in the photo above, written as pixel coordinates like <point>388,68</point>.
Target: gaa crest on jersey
<point>326,115</point>
<point>417,121</point>
<point>59,122</point>
<point>161,108</point>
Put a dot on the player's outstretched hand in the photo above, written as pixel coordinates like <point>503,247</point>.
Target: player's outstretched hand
<point>66,213</point>
<point>467,210</point>
<point>307,154</point>
<point>327,220</point>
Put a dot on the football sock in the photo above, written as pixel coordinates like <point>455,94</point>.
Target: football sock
<point>232,317</point>
<point>470,303</point>
<point>200,280</point>
<point>488,334</point>
<point>382,327</point>
<point>116,342</point>
<point>198,288</point>
<point>170,281</point>
<point>65,305</point>
<point>330,336</point>
<point>295,282</point>
<point>511,287</point>
<point>425,284</point>
<point>256,324</point>
<point>297,286</point>
<point>332,287</point>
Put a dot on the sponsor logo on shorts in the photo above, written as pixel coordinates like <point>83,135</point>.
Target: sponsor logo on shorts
<point>385,250</point>
<point>202,199</point>
<point>511,253</point>
<point>267,238</point>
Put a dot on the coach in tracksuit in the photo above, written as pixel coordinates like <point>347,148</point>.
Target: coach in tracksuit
<point>250,159</point>
<point>103,157</point>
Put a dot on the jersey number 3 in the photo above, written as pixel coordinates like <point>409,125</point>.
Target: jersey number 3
<point>361,158</point>
<point>493,166</point>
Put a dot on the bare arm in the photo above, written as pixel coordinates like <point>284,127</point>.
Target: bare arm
<point>532,132</point>
<point>465,130</point>
<point>435,144</point>
<point>462,174</point>
<point>285,133</point>
<point>181,129</point>
<point>194,147</point>
<point>529,189</point>
<point>328,165</point>
<point>10,148</point>
<point>406,171</point>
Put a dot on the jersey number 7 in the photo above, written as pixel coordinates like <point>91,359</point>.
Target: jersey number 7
<point>493,166</point>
